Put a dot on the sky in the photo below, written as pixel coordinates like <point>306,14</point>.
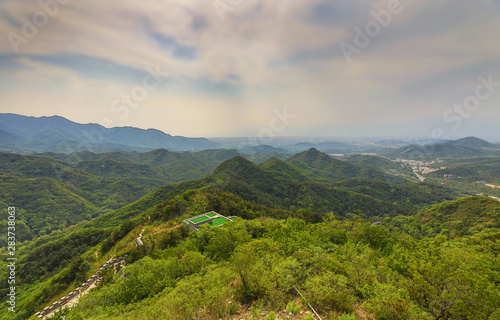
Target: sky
<point>230,68</point>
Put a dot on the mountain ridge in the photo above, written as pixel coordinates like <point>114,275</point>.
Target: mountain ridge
<point>465,147</point>
<point>58,134</point>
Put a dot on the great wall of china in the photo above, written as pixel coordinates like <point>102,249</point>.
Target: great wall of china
<point>64,300</point>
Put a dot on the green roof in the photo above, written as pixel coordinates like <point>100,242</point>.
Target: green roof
<point>200,219</point>
<point>211,214</point>
<point>218,221</point>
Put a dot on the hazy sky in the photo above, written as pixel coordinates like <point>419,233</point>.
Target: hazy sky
<point>248,67</point>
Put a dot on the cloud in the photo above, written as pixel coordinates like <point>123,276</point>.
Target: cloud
<point>226,76</point>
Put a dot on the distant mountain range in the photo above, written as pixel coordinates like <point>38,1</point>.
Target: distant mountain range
<point>56,134</point>
<point>465,147</point>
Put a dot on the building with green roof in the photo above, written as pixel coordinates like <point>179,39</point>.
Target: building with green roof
<point>212,218</point>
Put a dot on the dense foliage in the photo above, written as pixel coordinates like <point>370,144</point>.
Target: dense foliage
<point>305,226</point>
<point>463,217</point>
<point>44,204</point>
<point>341,267</point>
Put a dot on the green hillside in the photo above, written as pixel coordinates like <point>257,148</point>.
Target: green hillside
<point>44,204</point>
<point>462,217</point>
<point>283,169</point>
<point>472,169</point>
<point>322,167</point>
<point>278,185</point>
<point>255,267</point>
<point>161,165</point>
<point>382,164</point>
<point>303,224</point>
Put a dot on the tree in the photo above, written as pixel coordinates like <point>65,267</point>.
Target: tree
<point>452,282</point>
<point>81,275</point>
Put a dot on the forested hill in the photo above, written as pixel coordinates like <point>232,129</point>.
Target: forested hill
<point>322,167</point>
<point>54,191</point>
<point>344,267</point>
<point>325,213</point>
<point>382,164</point>
<point>282,189</point>
<point>462,217</point>
<point>156,158</point>
<point>277,184</point>
<point>99,183</point>
<point>472,169</point>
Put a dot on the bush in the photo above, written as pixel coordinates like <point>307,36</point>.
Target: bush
<point>330,291</point>
<point>293,308</point>
<point>346,316</point>
<point>271,316</point>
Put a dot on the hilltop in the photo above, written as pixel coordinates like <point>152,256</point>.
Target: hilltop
<point>321,167</point>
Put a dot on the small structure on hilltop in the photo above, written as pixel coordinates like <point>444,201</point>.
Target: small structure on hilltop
<point>213,218</point>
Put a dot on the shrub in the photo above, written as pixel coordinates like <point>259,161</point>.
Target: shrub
<point>346,316</point>
<point>271,316</point>
<point>330,290</point>
<point>293,308</point>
